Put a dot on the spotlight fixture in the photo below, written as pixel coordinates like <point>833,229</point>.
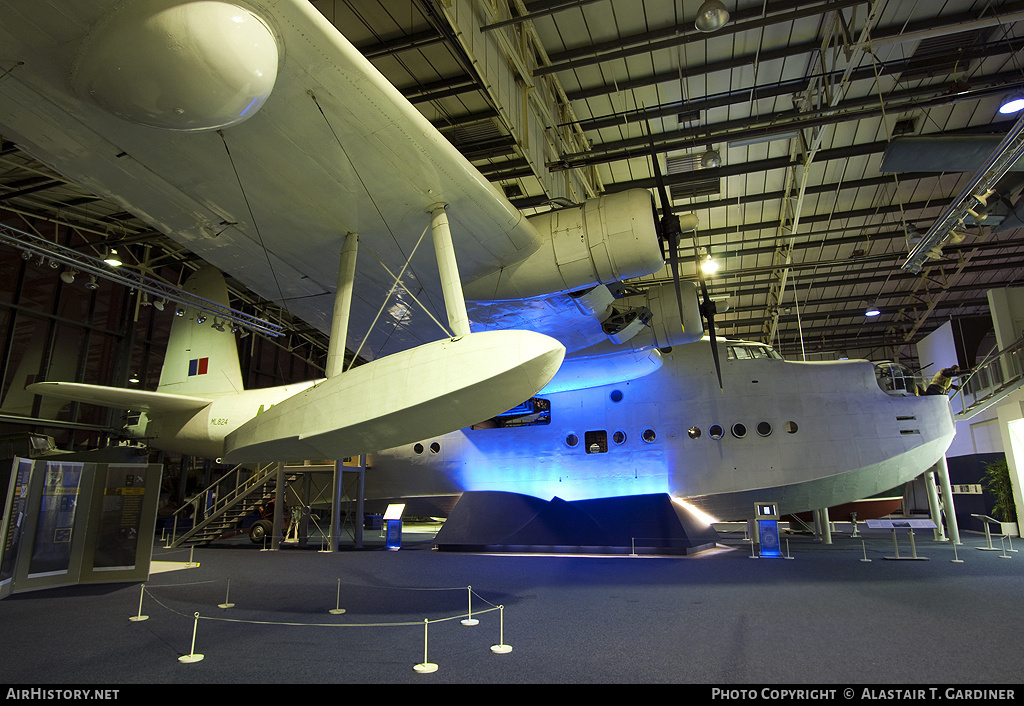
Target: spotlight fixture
<point>200,319</point>
<point>957,236</point>
<point>179,311</point>
<point>709,266</point>
<point>1012,103</point>
<point>159,304</point>
<point>112,258</point>
<point>68,276</point>
<point>92,283</point>
<point>217,325</point>
<point>985,196</point>
<point>710,159</point>
<point>935,253</point>
<point>711,16</point>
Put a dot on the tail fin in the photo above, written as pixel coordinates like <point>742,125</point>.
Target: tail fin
<point>201,360</point>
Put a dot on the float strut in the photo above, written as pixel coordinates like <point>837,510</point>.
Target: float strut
<point>451,285</point>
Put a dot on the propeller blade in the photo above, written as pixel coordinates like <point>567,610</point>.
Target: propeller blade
<point>670,229</point>
<point>707,308</point>
<point>671,232</point>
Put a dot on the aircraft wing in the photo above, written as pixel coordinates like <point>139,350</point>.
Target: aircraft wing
<point>118,398</point>
<point>328,148</point>
<point>334,149</point>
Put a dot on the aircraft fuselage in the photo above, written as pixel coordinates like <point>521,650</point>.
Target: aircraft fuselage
<point>803,434</point>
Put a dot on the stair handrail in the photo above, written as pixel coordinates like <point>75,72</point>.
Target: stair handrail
<point>986,362</point>
<point>207,509</point>
<point>219,494</point>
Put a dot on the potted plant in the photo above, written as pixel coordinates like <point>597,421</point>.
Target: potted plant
<point>997,482</point>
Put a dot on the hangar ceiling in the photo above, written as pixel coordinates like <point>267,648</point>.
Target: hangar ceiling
<point>844,129</point>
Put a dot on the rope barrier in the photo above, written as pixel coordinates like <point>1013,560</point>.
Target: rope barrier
<point>423,667</point>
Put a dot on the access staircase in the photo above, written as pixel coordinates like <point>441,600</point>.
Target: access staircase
<point>219,509</point>
<point>999,374</point>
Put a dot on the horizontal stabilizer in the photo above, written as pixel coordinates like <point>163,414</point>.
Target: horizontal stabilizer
<point>142,400</point>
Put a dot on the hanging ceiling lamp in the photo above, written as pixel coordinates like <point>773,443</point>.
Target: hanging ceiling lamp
<point>710,159</point>
<point>1013,103</point>
<point>711,16</point>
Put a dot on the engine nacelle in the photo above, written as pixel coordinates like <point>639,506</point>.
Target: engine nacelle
<point>603,240</point>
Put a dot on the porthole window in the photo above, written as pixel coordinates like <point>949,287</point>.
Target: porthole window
<point>616,396</point>
<point>693,433</point>
<point>739,430</point>
<point>715,431</point>
<point>571,440</point>
<point>791,427</point>
<point>435,448</point>
<point>649,435</point>
<point>764,428</point>
<point>619,437</point>
<point>418,448</point>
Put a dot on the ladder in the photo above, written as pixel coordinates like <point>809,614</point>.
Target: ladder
<point>218,509</point>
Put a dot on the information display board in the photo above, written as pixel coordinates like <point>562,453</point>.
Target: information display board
<point>68,522</point>
<point>767,518</point>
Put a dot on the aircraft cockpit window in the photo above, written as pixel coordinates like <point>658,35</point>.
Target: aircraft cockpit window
<point>897,380</point>
<point>596,441</point>
<point>749,351</point>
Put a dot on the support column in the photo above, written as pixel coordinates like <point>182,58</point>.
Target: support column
<point>939,532</point>
<point>360,504</point>
<point>451,285</point>
<point>342,306</point>
<point>821,519</point>
<point>278,535</point>
<point>336,507</point>
<point>947,500</point>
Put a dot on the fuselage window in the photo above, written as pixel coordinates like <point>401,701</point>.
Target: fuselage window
<point>616,396</point>
<point>596,441</point>
<point>764,428</point>
<point>791,427</point>
<point>749,351</point>
<point>571,440</point>
<point>693,433</point>
<point>418,448</point>
<point>619,437</point>
<point>739,430</point>
<point>535,411</point>
<point>435,448</point>
<point>649,436</point>
<point>715,431</point>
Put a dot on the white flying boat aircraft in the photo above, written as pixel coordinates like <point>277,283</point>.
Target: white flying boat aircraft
<point>255,135</point>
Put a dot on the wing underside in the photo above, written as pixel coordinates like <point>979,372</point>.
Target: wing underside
<point>335,149</point>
